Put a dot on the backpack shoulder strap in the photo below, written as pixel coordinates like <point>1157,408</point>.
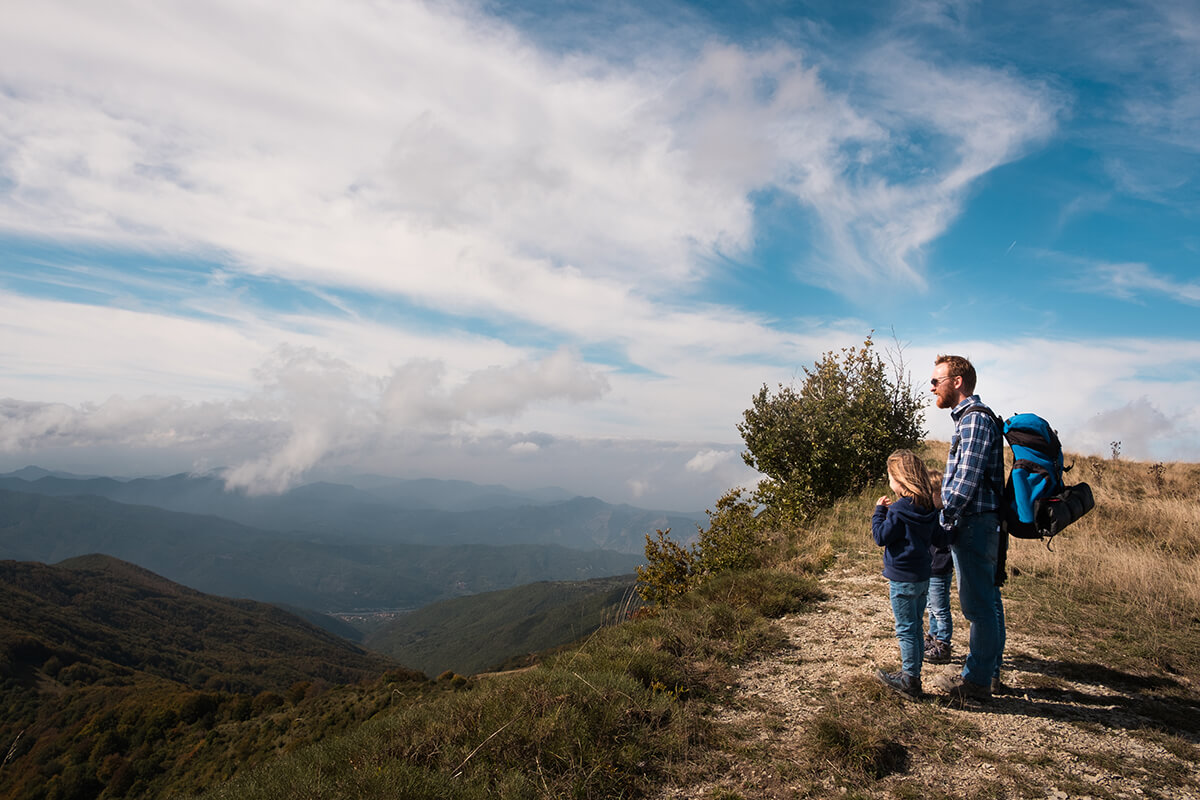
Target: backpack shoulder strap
<point>999,423</point>
<point>987,412</point>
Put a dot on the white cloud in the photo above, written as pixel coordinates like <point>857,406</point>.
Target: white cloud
<point>932,133</point>
<point>708,460</point>
<point>1131,281</point>
<point>1136,390</point>
<point>435,153</point>
<point>1136,425</point>
<point>310,407</point>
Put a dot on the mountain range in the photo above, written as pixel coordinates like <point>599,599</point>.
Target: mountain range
<point>413,512</point>
<point>322,572</point>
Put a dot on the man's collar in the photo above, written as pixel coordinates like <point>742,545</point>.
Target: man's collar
<point>957,411</point>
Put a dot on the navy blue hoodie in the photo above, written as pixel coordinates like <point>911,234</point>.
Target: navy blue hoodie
<point>904,530</point>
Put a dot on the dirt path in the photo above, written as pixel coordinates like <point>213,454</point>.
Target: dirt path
<point>1064,731</point>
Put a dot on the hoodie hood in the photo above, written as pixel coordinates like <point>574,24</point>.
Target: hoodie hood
<point>912,514</point>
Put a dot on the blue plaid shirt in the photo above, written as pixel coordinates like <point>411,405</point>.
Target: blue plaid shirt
<point>975,466</point>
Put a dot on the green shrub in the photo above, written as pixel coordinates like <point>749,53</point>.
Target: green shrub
<point>733,540</point>
<point>832,437</point>
<point>669,570</point>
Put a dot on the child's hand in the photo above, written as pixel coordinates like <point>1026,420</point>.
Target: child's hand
<point>883,501</point>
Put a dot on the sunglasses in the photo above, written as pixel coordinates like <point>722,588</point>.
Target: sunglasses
<point>935,381</point>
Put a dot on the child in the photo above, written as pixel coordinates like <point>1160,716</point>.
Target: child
<point>941,575</point>
<point>904,529</point>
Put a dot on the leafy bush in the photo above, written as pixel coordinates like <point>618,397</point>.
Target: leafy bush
<point>833,436</point>
<point>734,538</point>
<point>669,570</point>
<point>733,541</point>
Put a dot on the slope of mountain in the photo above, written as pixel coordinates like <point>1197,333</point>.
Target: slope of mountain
<point>100,609</point>
<point>116,682</point>
<point>324,573</point>
<point>473,634</point>
<point>427,512</point>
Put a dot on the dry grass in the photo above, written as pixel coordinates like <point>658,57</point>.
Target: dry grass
<point>1131,566</point>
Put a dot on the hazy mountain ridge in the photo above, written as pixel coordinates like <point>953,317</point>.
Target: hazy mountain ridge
<point>421,511</point>
<point>310,571</point>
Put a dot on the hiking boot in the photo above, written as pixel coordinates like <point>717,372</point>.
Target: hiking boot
<point>938,652</point>
<point>901,683</point>
<point>1000,687</point>
<point>958,688</point>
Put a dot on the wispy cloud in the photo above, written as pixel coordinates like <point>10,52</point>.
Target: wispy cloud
<point>435,153</point>
<point>937,130</point>
<point>1135,281</point>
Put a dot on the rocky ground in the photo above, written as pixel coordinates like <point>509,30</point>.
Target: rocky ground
<point>1065,730</point>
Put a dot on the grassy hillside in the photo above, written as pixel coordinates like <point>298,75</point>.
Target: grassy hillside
<point>476,633</point>
<point>115,680</point>
<point>646,708</point>
<point>324,573</point>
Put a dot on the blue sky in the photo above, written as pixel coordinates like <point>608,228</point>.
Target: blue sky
<point>538,243</point>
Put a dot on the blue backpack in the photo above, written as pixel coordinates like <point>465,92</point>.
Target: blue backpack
<point>1038,504</point>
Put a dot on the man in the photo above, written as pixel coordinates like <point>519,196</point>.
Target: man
<point>971,495</point>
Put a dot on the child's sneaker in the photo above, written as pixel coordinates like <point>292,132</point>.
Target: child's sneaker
<point>901,683</point>
<point>937,652</point>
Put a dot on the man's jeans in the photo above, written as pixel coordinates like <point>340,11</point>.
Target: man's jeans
<point>941,622</point>
<point>975,550</point>
<point>908,607</point>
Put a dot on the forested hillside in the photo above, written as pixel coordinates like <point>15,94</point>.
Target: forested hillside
<point>115,679</point>
<point>481,632</point>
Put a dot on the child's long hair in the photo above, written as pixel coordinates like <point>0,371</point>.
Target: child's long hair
<point>912,476</point>
<point>935,482</point>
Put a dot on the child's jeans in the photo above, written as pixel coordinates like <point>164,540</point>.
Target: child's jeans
<point>908,607</point>
<point>941,623</point>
